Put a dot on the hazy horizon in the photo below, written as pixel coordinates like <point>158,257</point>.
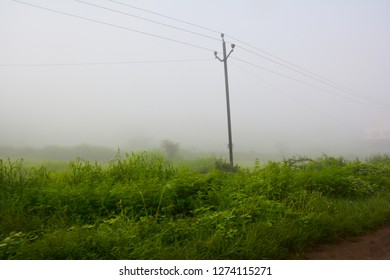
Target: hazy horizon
<point>89,75</point>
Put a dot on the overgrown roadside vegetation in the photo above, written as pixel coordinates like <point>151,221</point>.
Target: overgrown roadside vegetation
<point>142,207</point>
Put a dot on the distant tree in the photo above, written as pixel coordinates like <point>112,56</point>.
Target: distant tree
<point>170,148</point>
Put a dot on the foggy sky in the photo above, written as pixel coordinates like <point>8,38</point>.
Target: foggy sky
<point>47,100</point>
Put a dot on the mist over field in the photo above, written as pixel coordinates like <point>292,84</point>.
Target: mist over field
<point>306,77</point>
<point>115,140</point>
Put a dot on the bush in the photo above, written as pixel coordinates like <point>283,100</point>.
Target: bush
<point>142,207</point>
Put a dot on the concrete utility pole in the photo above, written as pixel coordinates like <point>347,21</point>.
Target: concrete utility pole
<point>224,60</point>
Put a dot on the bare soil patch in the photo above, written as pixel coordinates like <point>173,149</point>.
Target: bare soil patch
<point>371,246</point>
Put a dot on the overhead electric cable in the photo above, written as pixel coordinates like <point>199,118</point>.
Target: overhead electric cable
<point>104,63</point>
<point>285,63</point>
<point>309,73</point>
<point>311,85</point>
<point>291,96</point>
<point>114,25</point>
<point>146,19</point>
<point>302,70</point>
<point>165,16</point>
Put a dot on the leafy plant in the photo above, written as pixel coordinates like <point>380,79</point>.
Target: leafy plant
<point>140,206</point>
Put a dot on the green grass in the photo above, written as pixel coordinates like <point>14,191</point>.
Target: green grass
<point>140,206</point>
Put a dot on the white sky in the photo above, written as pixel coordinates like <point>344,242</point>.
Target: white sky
<point>347,42</point>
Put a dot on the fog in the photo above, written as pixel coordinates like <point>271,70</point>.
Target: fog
<point>88,75</point>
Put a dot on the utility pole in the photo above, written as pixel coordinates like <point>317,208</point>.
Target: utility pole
<point>224,60</point>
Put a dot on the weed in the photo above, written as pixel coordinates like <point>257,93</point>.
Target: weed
<point>140,206</point>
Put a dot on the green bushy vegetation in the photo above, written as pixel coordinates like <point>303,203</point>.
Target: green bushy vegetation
<point>141,206</point>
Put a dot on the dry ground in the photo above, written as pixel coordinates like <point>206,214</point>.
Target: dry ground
<point>371,246</point>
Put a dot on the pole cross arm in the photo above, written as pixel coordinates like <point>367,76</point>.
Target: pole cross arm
<point>216,56</point>
<point>222,60</point>
<point>233,45</point>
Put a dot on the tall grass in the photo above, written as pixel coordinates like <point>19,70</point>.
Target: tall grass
<point>140,206</point>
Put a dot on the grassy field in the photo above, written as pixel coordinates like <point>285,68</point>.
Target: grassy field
<point>139,206</point>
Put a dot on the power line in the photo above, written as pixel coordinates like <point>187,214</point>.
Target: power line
<point>165,16</point>
<point>297,71</point>
<point>311,85</point>
<point>104,63</point>
<point>301,70</point>
<point>286,64</point>
<point>114,25</point>
<point>149,20</point>
<point>291,96</point>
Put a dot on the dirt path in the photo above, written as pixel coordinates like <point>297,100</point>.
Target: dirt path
<point>372,246</point>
